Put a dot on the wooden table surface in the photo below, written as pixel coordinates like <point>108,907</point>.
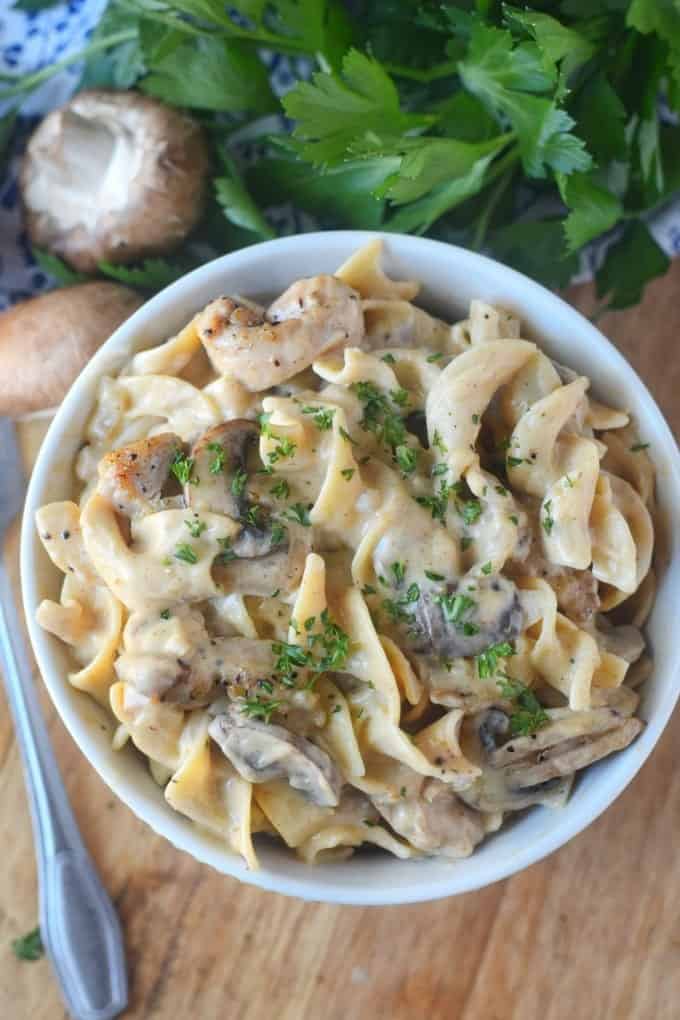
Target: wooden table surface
<point>591,933</point>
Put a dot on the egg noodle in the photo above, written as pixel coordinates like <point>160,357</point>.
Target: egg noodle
<point>346,574</point>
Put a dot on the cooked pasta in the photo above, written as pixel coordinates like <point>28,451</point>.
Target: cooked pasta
<point>343,572</point>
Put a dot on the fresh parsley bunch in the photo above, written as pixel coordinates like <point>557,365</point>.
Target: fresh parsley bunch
<point>525,131</point>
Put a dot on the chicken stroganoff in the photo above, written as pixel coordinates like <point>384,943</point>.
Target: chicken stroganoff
<point>347,574</point>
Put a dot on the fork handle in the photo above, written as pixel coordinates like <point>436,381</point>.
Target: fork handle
<point>78,923</point>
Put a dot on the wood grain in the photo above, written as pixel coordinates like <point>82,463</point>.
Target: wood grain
<point>592,933</point>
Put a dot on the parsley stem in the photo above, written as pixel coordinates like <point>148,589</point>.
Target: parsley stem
<point>494,197</point>
<point>31,81</point>
<point>443,70</point>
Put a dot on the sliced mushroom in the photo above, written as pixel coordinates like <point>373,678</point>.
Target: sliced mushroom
<point>495,616</point>
<point>113,176</point>
<point>263,751</point>
<point>311,317</point>
<point>133,476</point>
<point>433,819</point>
<point>260,565</point>
<point>538,769</point>
<point>220,458</point>
<point>570,742</point>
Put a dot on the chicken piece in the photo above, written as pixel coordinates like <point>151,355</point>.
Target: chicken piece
<point>311,317</point>
<point>431,818</point>
<point>133,476</point>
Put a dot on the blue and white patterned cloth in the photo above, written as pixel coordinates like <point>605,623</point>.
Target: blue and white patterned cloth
<point>29,42</point>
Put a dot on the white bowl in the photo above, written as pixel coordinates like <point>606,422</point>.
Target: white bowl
<point>451,277</point>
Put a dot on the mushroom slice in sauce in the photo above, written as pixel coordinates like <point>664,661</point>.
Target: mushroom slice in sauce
<point>493,615</point>
<point>433,819</point>
<point>220,458</point>
<point>260,566</point>
<point>133,476</point>
<point>571,741</point>
<point>262,751</point>
<point>538,769</point>
<point>311,317</point>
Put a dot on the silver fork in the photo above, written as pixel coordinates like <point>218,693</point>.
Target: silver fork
<point>78,924</point>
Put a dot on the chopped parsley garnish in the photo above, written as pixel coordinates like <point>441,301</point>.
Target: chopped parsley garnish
<point>548,521</point>
<point>336,709</point>
<point>636,447</point>
<point>260,708</point>
<point>437,503</point>
<point>326,650</point>
<point>514,518</point>
<point>399,571</point>
<point>438,442</point>
<point>455,608</point>
<point>345,435</point>
<point>284,448</point>
<point>227,554</point>
<point>182,468</point>
<point>278,533</point>
<point>165,614</point>
<point>238,482</point>
<point>299,512</point>
<point>389,359</point>
<point>395,607</point>
<point>348,473</point>
<point>568,481</point>
<point>368,589</point>
<point>487,568</point>
<point>434,357</point>
<point>487,661</point>
<point>470,510</point>
<point>281,489</point>
<point>217,462</point>
<point>501,490</point>
<point>321,416</point>
<point>380,419</point>
<point>186,554</point>
<point>400,396</point>
<point>254,515</point>
<point>196,528</point>
<point>264,420</point>
<point>514,461</point>
<point>528,714</point>
<point>465,543</point>
<point>439,469</point>
<point>406,458</point>
<point>433,577</point>
<point>475,419</point>
<point>29,947</point>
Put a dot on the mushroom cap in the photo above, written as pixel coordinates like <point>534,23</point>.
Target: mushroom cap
<point>46,341</point>
<point>113,176</point>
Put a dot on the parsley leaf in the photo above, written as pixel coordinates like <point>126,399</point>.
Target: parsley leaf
<point>487,661</point>
<point>300,513</point>
<point>528,714</point>
<point>211,72</point>
<point>182,468</point>
<point>29,947</point>
<point>186,554</point>
<point>630,263</point>
<point>333,109</point>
